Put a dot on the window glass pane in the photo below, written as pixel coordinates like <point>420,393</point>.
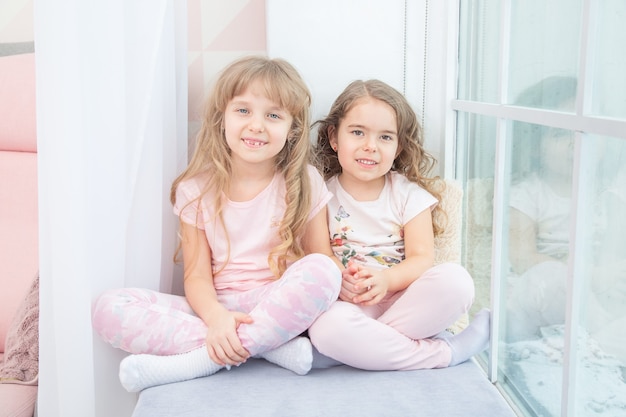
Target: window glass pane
<point>557,92</point>
<point>544,42</point>
<point>475,164</point>
<point>608,61</point>
<point>536,266</point>
<point>478,52</point>
<point>535,295</point>
<point>601,387</point>
<point>549,277</point>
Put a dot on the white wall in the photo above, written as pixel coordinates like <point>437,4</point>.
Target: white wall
<point>333,42</point>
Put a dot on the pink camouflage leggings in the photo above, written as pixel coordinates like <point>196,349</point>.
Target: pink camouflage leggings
<point>145,321</point>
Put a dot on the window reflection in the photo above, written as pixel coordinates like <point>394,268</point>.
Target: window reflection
<point>602,345</point>
<point>479,133</point>
<point>544,41</point>
<point>505,47</point>
<point>540,203</point>
<point>608,79</point>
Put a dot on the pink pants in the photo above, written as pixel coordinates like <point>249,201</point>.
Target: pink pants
<point>397,333</point>
<point>145,321</point>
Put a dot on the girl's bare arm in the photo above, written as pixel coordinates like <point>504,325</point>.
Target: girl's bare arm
<point>317,238</point>
<point>223,344</point>
<point>419,251</point>
<point>371,286</point>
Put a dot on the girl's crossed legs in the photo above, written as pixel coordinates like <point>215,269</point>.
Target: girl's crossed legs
<point>151,323</point>
<point>399,333</point>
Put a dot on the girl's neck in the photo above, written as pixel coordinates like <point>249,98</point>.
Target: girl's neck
<point>362,191</point>
<point>246,182</point>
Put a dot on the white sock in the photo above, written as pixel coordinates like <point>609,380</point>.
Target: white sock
<point>295,355</point>
<point>138,372</point>
<point>472,340</point>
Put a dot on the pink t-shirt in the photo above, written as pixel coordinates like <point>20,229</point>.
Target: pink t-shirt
<point>252,228</point>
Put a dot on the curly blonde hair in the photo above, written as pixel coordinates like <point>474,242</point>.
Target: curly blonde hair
<point>283,84</point>
<point>412,161</point>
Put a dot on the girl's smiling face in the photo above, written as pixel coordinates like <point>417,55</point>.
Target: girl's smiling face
<point>256,128</point>
<point>366,142</point>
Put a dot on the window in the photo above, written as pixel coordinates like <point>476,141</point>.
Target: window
<point>541,149</point>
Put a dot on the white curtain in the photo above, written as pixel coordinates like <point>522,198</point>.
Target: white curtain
<point>111,120</point>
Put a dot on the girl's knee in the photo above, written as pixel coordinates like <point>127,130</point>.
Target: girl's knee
<point>457,274</point>
<point>324,269</point>
<point>110,303</point>
<point>333,323</point>
<point>455,281</point>
<point>323,261</point>
<point>102,312</point>
<point>103,303</point>
<point>324,330</point>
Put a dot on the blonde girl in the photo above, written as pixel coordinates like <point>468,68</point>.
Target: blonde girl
<point>258,268</point>
<point>394,303</point>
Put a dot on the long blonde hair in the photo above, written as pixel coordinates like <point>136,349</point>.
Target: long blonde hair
<point>284,85</point>
<point>412,161</point>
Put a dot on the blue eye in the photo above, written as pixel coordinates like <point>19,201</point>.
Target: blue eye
<point>273,116</point>
<point>242,111</point>
<point>386,138</point>
<point>357,132</point>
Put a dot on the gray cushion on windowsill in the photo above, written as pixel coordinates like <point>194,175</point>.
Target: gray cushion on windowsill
<point>16,48</point>
<point>259,388</point>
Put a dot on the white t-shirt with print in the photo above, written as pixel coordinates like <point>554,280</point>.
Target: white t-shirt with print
<point>372,232</point>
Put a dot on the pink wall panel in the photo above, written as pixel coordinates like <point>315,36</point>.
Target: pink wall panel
<point>219,32</point>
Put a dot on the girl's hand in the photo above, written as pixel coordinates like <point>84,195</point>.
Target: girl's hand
<point>371,288</point>
<point>348,281</point>
<point>362,286</point>
<point>222,341</point>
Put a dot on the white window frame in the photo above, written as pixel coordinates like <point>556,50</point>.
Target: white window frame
<point>581,121</point>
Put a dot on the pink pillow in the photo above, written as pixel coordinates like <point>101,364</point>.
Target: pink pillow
<point>17,400</point>
<point>19,255</point>
<point>17,103</point>
<point>20,364</point>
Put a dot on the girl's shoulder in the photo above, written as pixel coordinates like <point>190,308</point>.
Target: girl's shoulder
<point>192,187</point>
<point>399,182</point>
<point>333,183</point>
<point>332,179</point>
<point>314,175</point>
<point>402,188</point>
<point>313,171</point>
